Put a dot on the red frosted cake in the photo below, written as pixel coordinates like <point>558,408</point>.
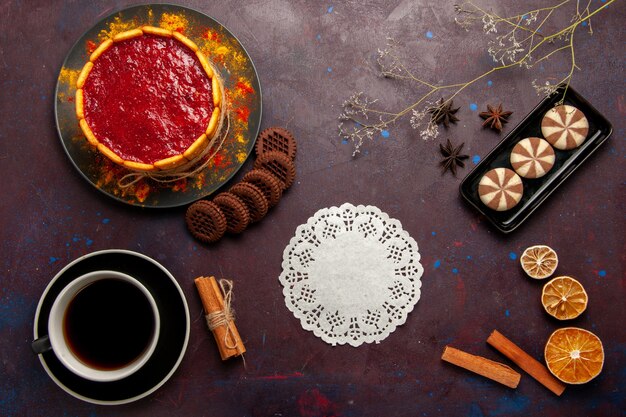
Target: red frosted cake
<point>148,99</point>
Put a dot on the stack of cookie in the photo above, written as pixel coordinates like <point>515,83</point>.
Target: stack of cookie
<point>248,201</point>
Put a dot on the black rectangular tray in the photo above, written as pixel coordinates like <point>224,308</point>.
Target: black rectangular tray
<point>536,190</point>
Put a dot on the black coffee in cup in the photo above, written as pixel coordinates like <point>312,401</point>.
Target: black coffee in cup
<point>108,324</point>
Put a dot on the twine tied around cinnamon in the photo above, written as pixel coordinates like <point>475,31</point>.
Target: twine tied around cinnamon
<point>225,316</point>
<point>216,300</point>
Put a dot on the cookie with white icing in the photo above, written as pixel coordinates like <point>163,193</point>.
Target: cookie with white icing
<point>565,127</point>
<point>532,157</point>
<point>500,189</point>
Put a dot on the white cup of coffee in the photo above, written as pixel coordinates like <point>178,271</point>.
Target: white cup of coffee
<point>103,326</point>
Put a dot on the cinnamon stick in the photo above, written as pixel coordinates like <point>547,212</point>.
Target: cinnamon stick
<point>482,366</point>
<point>526,362</point>
<point>224,330</point>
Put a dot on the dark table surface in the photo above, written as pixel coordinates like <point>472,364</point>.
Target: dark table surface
<point>310,57</point>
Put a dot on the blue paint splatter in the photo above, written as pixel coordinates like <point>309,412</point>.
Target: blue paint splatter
<point>473,106</point>
<point>8,401</point>
<point>475,411</point>
<point>511,405</point>
<point>513,256</point>
<point>475,159</point>
<point>330,9</point>
<point>344,142</point>
<point>429,34</point>
<point>433,233</point>
<point>455,271</point>
<point>469,258</point>
<point>489,83</point>
<point>52,260</point>
<point>507,313</point>
<point>106,221</point>
<point>318,37</point>
<point>329,70</point>
<point>12,306</point>
<point>602,273</point>
<point>584,23</point>
<point>437,263</point>
<point>89,242</point>
<point>384,133</point>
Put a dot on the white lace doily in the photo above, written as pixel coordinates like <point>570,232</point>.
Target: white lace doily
<point>351,274</point>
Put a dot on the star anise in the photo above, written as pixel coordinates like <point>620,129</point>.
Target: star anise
<point>443,113</point>
<point>495,117</point>
<point>452,157</point>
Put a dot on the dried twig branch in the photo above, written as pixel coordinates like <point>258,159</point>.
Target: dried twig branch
<point>518,40</point>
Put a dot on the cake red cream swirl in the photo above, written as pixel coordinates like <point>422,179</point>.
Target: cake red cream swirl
<point>149,100</point>
<point>532,157</point>
<point>565,127</point>
<point>500,189</point>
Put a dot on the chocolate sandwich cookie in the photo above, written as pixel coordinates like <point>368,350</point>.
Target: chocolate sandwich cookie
<point>278,164</point>
<point>500,189</point>
<point>565,127</point>
<point>267,183</point>
<point>532,157</point>
<point>235,210</point>
<point>276,139</point>
<point>253,198</point>
<point>205,221</point>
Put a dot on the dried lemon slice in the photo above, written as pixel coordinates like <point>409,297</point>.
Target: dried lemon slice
<point>539,261</point>
<point>574,355</point>
<point>564,298</point>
